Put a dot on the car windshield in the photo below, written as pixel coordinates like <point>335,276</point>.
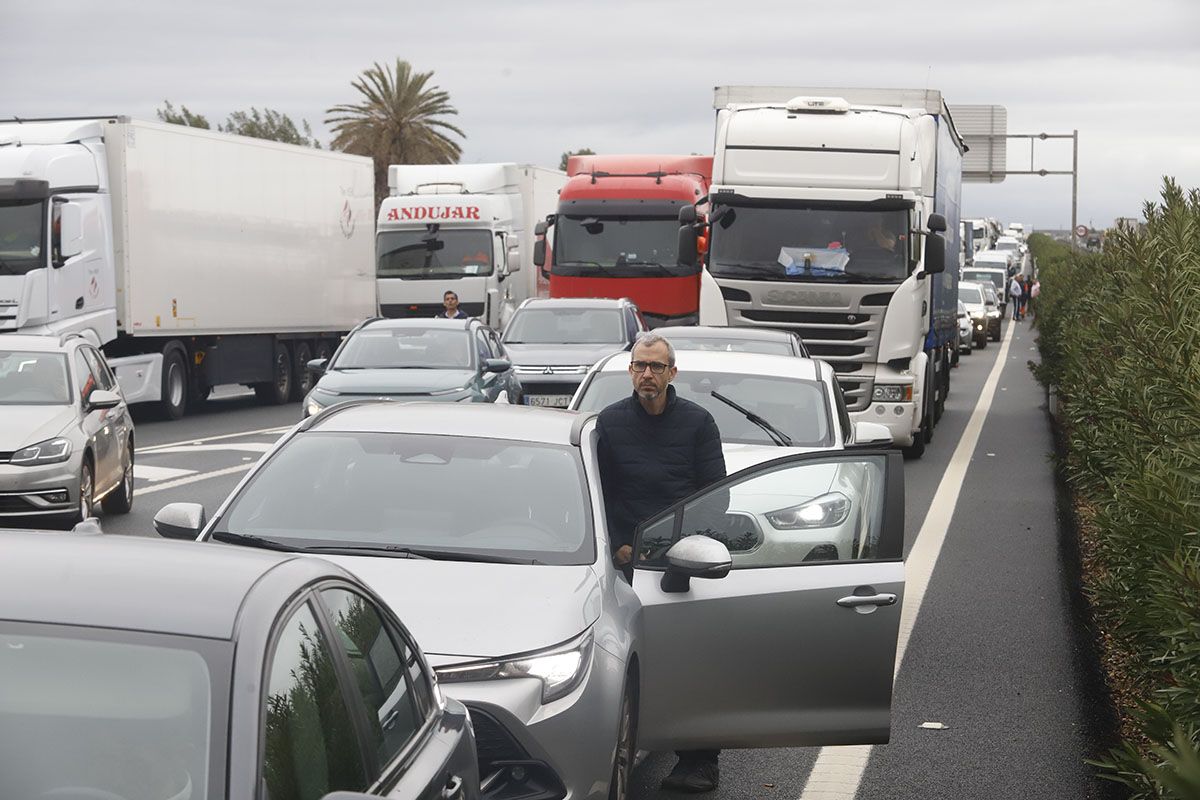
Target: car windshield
<point>616,241</point>
<point>33,379</point>
<point>565,325</point>
<point>420,254</point>
<point>795,407</point>
<point>971,295</point>
<point>106,714</point>
<point>817,245</point>
<point>992,276</point>
<point>22,236</point>
<point>407,347</point>
<point>453,494</point>
<point>732,344</point>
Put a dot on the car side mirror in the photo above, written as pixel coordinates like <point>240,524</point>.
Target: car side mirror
<point>180,520</point>
<point>937,223</point>
<point>317,366</point>
<point>935,254</point>
<point>695,557</point>
<point>100,398</point>
<point>871,435</point>
<point>497,365</point>
<point>70,229</point>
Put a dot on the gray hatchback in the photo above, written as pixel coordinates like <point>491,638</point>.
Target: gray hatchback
<point>66,438</point>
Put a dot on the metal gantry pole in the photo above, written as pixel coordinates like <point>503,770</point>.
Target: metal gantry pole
<point>1074,185</point>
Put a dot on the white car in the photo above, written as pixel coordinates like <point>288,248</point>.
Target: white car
<point>966,331</point>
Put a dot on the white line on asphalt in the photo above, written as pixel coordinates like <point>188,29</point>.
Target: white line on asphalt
<point>201,476</point>
<point>838,771</point>
<point>252,447</point>
<point>142,472</point>
<point>153,447</point>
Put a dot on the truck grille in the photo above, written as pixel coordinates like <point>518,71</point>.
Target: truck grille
<point>842,327</point>
<point>8,316</point>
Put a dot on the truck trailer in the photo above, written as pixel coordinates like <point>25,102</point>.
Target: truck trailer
<point>466,228</point>
<point>835,213</point>
<point>616,230</point>
<point>193,258</point>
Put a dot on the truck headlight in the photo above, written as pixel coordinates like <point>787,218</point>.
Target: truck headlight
<point>892,393</point>
<point>51,451</point>
<point>560,668</point>
<point>820,512</point>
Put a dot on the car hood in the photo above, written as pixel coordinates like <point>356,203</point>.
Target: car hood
<point>740,456</point>
<point>395,381</point>
<point>461,611</point>
<point>974,308</point>
<point>541,355</point>
<point>21,426</point>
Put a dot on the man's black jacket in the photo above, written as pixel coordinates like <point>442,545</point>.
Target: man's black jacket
<point>648,463</point>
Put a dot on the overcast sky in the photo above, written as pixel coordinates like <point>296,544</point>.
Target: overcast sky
<point>532,79</point>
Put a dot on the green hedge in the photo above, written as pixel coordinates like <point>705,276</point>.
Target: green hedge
<point>1119,334</point>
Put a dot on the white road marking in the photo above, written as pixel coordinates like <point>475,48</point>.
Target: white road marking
<point>143,472</point>
<point>253,447</point>
<point>152,448</point>
<point>200,476</point>
<point>838,771</point>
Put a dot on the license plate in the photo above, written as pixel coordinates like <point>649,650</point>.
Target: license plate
<point>551,400</point>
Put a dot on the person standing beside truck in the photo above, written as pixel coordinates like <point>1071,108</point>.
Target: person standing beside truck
<point>1014,291</point>
<point>450,308</point>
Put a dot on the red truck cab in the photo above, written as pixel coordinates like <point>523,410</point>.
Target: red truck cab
<point>616,233</point>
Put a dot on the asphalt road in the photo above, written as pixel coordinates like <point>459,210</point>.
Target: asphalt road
<point>994,654</point>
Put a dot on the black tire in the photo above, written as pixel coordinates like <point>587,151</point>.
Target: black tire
<point>174,398</point>
<point>626,749</point>
<point>981,342</point>
<point>120,499</point>
<point>303,382</point>
<point>996,335</point>
<point>278,391</point>
<point>87,492</point>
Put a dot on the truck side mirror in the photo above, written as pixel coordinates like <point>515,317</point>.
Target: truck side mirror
<point>69,229</point>
<point>935,253</point>
<point>512,259</point>
<point>688,250</point>
<point>937,223</point>
<point>539,253</point>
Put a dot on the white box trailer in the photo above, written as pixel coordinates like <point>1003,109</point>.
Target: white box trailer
<point>466,228</point>
<point>195,258</point>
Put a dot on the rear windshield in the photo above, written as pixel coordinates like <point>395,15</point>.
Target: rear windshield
<point>970,294</point>
<point>565,326</point>
<point>428,348</point>
<point>994,277</point>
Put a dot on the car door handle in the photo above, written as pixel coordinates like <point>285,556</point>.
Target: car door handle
<point>453,787</point>
<point>855,600</point>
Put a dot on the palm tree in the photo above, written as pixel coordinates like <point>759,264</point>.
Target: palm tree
<point>399,121</point>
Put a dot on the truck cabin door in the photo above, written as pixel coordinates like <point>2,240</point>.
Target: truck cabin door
<point>76,278</point>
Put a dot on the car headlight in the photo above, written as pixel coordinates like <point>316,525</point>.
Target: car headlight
<point>317,400</point>
<point>892,393</point>
<point>560,669</point>
<point>820,512</point>
<point>51,451</point>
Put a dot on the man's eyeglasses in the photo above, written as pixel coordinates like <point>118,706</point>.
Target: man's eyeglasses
<point>657,367</point>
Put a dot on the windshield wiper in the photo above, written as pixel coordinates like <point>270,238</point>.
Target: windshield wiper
<point>252,541</point>
<point>388,550</point>
<point>779,437</point>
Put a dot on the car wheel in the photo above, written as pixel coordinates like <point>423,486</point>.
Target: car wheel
<point>120,500</point>
<point>981,342</point>
<point>87,493</point>
<point>626,750</point>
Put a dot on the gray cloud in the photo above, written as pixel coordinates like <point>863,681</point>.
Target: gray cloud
<point>532,79</point>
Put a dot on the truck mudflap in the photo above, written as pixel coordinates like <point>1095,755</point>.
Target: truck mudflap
<point>140,377</point>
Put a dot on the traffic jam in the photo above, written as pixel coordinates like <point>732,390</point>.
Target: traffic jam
<point>554,431</point>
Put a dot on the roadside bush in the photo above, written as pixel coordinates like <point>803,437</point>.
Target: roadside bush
<point>1119,334</point>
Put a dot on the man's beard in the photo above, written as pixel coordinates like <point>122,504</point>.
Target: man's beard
<point>649,392</point>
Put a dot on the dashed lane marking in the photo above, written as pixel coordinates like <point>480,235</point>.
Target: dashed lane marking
<point>261,431</point>
<point>144,472</point>
<point>200,476</point>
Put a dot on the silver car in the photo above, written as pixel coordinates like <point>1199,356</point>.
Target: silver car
<point>66,438</point>
<point>484,527</point>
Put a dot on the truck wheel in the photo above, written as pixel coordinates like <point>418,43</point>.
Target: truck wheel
<point>304,379</point>
<point>278,391</point>
<point>174,384</point>
<point>917,448</point>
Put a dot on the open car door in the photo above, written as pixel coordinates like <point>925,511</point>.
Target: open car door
<point>771,606</point>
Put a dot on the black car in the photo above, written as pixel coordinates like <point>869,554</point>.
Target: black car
<point>173,669</point>
<point>768,341</point>
<point>447,360</point>
<point>554,341</point>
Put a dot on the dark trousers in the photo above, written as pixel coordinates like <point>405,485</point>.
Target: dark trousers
<point>698,756</point>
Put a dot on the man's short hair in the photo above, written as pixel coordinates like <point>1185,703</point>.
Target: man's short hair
<point>649,339</point>
<point>449,292</point>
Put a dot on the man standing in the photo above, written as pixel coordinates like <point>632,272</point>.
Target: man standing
<point>1014,292</point>
<point>451,309</point>
<point>655,449</point>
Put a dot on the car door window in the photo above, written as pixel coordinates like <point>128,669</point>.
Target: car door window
<point>789,514</point>
<point>481,345</point>
<point>380,665</point>
<point>310,745</point>
<point>104,377</point>
<point>494,345</point>
<point>843,414</point>
<point>87,381</point>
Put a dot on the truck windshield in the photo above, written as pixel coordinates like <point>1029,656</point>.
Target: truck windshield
<point>616,242</point>
<point>422,253</point>
<point>22,236</point>
<point>810,244</point>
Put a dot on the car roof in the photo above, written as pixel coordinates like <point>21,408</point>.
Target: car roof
<point>576,302</point>
<point>717,332</point>
<point>733,362</point>
<point>129,582</point>
<point>483,420</point>
<point>38,344</point>
<point>420,322</point>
